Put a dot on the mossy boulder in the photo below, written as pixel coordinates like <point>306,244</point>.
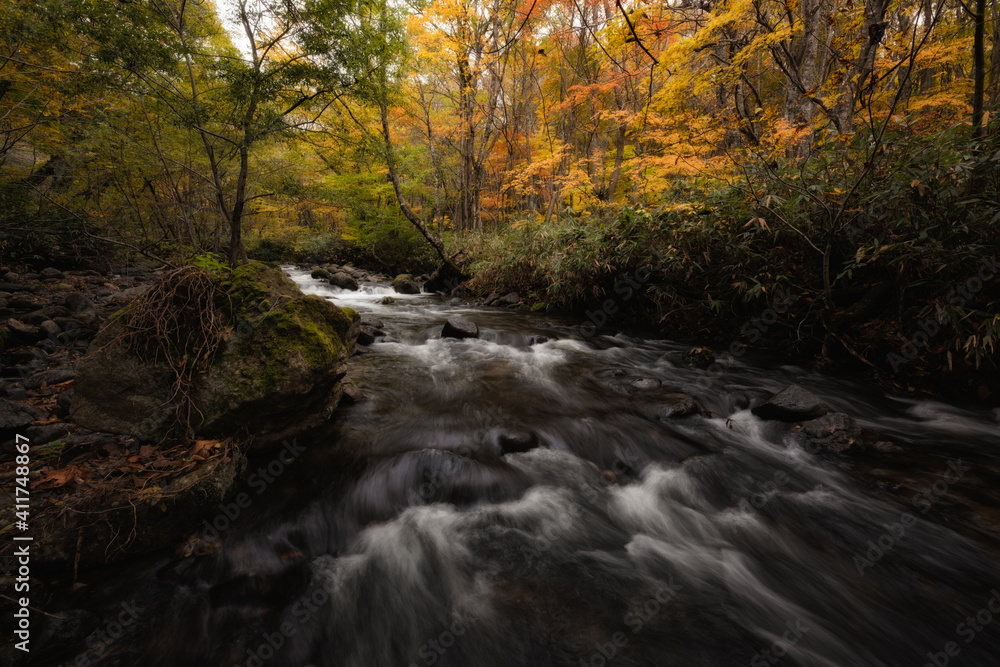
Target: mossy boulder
<point>276,371</point>
<point>405,284</point>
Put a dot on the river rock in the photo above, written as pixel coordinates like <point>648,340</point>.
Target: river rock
<point>699,357</point>
<point>791,404</point>
<point>405,284</point>
<point>515,442</point>
<point>45,433</point>
<point>52,312</point>
<point>49,377</point>
<point>34,318</point>
<point>352,393</point>
<point>511,299</point>
<point>50,328</point>
<point>52,273</point>
<point>273,379</point>
<point>387,301</point>
<point>836,432</point>
<point>14,416</point>
<point>136,524</point>
<point>372,320</point>
<point>78,303</point>
<point>444,279</point>
<point>367,334</point>
<point>645,384</point>
<point>670,406</point>
<point>459,327</point>
<point>23,334</point>
<point>320,273</point>
<point>343,281</point>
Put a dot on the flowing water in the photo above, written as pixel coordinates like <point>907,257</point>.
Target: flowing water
<point>498,503</point>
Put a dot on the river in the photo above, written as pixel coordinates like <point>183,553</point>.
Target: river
<point>495,503</point>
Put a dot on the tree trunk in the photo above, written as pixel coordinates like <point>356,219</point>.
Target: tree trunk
<point>979,69</point>
<point>390,160</point>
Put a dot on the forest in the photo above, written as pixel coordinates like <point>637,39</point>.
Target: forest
<point>844,151</point>
<point>499,333</point>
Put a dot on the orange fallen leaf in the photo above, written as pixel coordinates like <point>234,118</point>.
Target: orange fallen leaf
<point>53,479</point>
<point>201,447</point>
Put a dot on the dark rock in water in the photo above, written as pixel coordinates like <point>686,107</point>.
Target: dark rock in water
<point>537,340</point>
<point>15,415</point>
<point>274,380</point>
<point>444,279</point>
<point>699,357</point>
<point>23,334</point>
<point>387,300</point>
<point>405,284</point>
<point>791,404</point>
<point>78,303</point>
<point>352,394</point>
<point>515,442</point>
<point>49,378</point>
<point>343,281</point>
<point>320,273</point>
<point>459,327</point>
<point>835,432</point>
<point>11,287</point>
<point>887,446</point>
<point>367,334</point>
<point>670,406</point>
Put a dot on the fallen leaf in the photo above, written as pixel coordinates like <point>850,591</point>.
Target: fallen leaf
<point>53,479</point>
<point>201,447</point>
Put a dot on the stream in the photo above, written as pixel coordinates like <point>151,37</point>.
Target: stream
<point>503,501</point>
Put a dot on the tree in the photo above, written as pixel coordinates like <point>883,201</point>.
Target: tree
<point>286,62</point>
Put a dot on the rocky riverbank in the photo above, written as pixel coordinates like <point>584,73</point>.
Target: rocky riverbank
<point>109,475</point>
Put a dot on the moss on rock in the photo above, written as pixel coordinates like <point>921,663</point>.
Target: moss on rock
<point>277,371</point>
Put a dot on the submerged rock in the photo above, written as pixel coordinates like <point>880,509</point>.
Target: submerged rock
<point>276,372</point>
<point>699,357</point>
<point>670,406</point>
<point>791,404</point>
